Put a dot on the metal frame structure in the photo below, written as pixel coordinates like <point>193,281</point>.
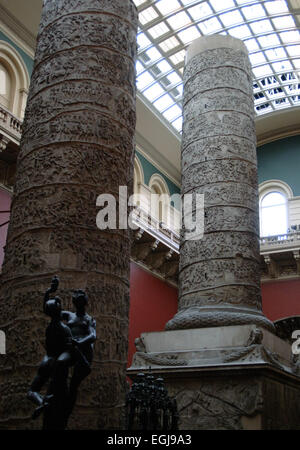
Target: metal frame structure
<point>269,28</point>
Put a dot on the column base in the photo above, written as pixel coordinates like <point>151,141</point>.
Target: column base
<point>197,317</point>
<point>236,377</point>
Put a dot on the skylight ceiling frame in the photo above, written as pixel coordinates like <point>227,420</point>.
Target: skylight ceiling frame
<point>269,102</point>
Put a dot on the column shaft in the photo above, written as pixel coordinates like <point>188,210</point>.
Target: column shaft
<point>219,279</point>
<point>77,143</point>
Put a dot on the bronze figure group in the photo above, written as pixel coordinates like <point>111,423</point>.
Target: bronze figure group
<point>69,343</point>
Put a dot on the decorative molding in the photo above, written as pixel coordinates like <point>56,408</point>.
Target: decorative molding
<point>157,180</point>
<point>270,185</point>
<point>138,168</point>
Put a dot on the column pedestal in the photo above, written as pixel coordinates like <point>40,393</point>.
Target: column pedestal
<point>234,377</point>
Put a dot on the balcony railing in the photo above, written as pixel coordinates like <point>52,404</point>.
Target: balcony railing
<point>10,125</point>
<point>156,228</point>
<point>282,242</point>
<point>287,241</point>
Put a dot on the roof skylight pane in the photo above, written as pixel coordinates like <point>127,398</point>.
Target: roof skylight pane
<point>179,89</point>
<point>276,6</point>
<point>242,2</point>
<point>290,36</point>
<point>221,5</point>
<point>167,6</point>
<point>178,57</point>
<point>262,71</point>
<point>172,113</point>
<point>281,103</point>
<point>139,2</point>
<point>269,41</point>
<point>293,50</point>
<point>174,78</point>
<point>169,44</point>
<point>240,32</point>
<point>153,54</point>
<point>142,40</point>
<point>282,66</point>
<point>178,124</point>
<point>164,66</point>
<point>179,20</point>
<point>176,23</point>
<point>231,18</point>
<point>296,63</point>
<point>189,35</point>
<point>163,103</point>
<point>139,67</point>
<point>200,11</point>
<point>283,22</point>
<point>143,80</point>
<point>147,15</point>
<point>251,45</point>
<point>263,109</point>
<point>210,26</point>
<point>257,58</point>
<point>253,12</point>
<point>261,26</point>
<point>275,53</point>
<point>187,2</point>
<point>158,30</point>
<point>153,92</point>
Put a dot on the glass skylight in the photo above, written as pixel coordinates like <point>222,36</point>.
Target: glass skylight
<point>269,29</point>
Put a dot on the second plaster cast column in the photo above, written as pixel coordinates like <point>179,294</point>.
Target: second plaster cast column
<point>219,280</point>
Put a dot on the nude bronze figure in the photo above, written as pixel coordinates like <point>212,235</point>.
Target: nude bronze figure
<point>69,343</point>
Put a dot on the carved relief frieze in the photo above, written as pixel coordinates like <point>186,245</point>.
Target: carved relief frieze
<point>218,147</point>
<point>219,170</point>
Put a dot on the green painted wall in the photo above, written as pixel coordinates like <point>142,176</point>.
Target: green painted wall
<point>27,59</point>
<point>149,169</point>
<point>280,160</point>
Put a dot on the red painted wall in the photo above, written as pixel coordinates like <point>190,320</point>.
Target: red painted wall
<point>281,299</point>
<point>152,303</point>
<point>5,201</point>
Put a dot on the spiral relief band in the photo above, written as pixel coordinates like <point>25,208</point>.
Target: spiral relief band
<point>77,142</point>
<point>219,275</point>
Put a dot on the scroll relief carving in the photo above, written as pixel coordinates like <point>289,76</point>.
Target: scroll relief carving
<point>218,147</point>
<point>201,174</point>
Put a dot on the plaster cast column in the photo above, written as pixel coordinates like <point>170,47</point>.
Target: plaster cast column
<point>77,143</point>
<point>219,278</point>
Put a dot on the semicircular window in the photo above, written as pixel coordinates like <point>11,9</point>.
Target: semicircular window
<point>273,214</point>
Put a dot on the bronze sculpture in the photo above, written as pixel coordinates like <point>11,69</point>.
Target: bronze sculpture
<point>68,345</point>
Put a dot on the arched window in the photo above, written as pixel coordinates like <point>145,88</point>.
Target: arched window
<point>157,204</point>
<point>160,200</point>
<point>273,208</point>
<point>138,181</point>
<point>138,175</point>
<point>273,214</point>
<point>5,86</point>
<point>14,80</point>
